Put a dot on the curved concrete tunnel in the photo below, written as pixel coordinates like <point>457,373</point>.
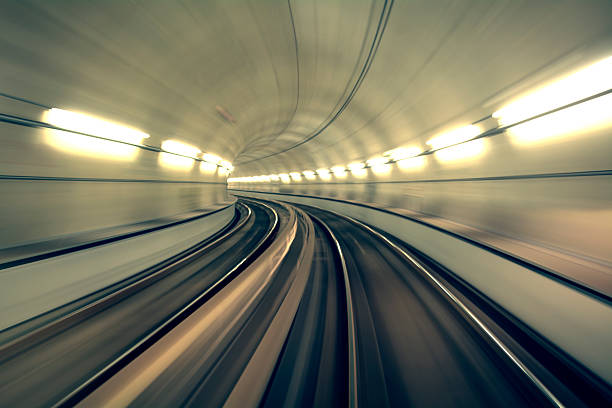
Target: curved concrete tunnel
<point>489,120</point>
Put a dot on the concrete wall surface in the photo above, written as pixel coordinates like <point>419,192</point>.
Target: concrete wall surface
<point>31,289</point>
<point>55,184</point>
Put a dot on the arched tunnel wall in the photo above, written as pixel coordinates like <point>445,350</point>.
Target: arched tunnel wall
<point>553,193</point>
<point>473,136</point>
<point>283,70</point>
<point>53,190</point>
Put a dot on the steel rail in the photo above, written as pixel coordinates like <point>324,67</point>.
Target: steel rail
<point>81,313</point>
<point>352,343</point>
<point>129,355</point>
<point>466,312</point>
<point>258,371</point>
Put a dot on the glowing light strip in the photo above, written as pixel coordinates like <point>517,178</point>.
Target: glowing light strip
<point>592,80</point>
<point>587,87</point>
<point>180,148</point>
<point>91,125</point>
<point>454,136</point>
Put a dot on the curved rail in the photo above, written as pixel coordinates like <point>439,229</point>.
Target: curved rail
<point>252,383</point>
<point>352,402</point>
<point>118,291</point>
<point>129,355</point>
<point>219,341</point>
<point>465,311</point>
<point>589,288</point>
<point>368,356</point>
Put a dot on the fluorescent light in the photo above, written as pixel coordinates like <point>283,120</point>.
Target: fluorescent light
<point>274,177</point>
<point>226,164</point>
<point>339,172</point>
<point>379,165</point>
<point>588,116</point>
<point>403,153</point>
<point>284,177</point>
<point>464,151</point>
<point>296,176</point>
<point>309,174</point>
<point>454,136</point>
<point>91,146</point>
<point>178,162</point>
<point>412,163</point>
<point>208,168</point>
<point>377,161</point>
<point>80,122</point>
<point>355,166</point>
<point>589,81</point>
<point>324,174</point>
<point>211,158</point>
<point>174,146</point>
<point>359,173</point>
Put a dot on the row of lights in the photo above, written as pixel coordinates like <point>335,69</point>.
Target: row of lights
<point>378,164</point>
<point>529,118</point>
<point>185,154</point>
<point>120,142</point>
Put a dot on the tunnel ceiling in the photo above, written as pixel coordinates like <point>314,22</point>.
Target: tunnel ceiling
<point>288,85</point>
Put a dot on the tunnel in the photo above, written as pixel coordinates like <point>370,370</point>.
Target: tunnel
<point>306,203</point>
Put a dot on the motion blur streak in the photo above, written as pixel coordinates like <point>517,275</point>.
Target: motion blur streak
<point>207,167</point>
<point>309,174</point>
<point>464,151</point>
<point>306,203</point>
<point>412,163</point>
<point>587,82</point>
<point>403,153</point>
<point>95,126</point>
<point>91,146</point>
<point>339,172</point>
<point>590,116</point>
<point>211,158</point>
<point>174,146</point>
<point>324,174</point>
<point>454,136</point>
<point>175,162</point>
